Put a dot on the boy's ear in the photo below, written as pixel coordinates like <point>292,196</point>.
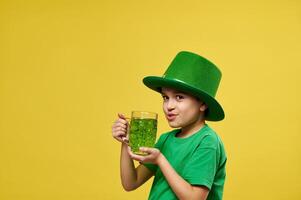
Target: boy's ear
<point>203,107</point>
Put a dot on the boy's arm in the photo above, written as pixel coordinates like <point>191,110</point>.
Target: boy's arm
<point>132,177</point>
<point>181,188</point>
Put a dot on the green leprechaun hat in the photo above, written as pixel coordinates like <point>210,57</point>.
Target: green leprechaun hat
<point>195,75</point>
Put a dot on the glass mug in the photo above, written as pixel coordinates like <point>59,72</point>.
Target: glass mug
<point>143,130</point>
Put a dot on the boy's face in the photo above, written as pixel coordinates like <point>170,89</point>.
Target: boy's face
<point>181,109</point>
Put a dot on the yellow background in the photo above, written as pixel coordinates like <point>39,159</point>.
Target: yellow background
<point>68,67</point>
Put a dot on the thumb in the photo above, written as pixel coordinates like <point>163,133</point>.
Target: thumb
<point>120,115</point>
<point>146,149</point>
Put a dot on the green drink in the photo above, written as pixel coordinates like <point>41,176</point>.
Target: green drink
<point>143,131</point>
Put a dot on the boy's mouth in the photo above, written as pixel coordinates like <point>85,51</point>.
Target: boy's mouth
<point>171,117</point>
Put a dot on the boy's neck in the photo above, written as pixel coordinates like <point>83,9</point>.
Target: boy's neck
<point>191,129</point>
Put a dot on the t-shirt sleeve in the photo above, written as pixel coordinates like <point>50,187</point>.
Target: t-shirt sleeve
<point>202,166</point>
<point>158,145</point>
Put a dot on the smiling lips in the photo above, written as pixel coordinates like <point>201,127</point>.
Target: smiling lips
<point>171,116</point>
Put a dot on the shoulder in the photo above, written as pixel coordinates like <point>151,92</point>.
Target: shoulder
<point>166,134</point>
<point>209,139</point>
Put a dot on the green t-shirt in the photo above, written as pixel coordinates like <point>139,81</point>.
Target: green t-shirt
<point>199,159</point>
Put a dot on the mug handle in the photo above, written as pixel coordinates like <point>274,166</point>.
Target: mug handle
<point>126,138</point>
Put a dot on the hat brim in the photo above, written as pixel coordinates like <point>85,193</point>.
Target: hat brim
<point>214,111</point>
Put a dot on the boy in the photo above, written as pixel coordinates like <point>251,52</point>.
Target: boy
<point>188,162</point>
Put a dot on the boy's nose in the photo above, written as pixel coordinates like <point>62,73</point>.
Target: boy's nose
<point>170,105</point>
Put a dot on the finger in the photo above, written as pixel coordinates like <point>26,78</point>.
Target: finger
<point>146,150</point>
<point>119,128</point>
<point>119,139</point>
<point>122,125</point>
<point>123,117</point>
<point>122,139</point>
<point>118,122</point>
<point>130,152</point>
<point>120,115</point>
<point>120,134</point>
<point>125,140</point>
<point>122,121</point>
<point>136,157</point>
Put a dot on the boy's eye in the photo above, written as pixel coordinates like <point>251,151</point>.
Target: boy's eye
<point>179,97</point>
<point>164,97</point>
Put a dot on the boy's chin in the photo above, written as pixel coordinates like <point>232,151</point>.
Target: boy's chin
<point>172,125</point>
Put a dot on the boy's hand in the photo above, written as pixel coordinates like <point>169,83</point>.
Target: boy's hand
<point>120,129</point>
<point>153,156</point>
